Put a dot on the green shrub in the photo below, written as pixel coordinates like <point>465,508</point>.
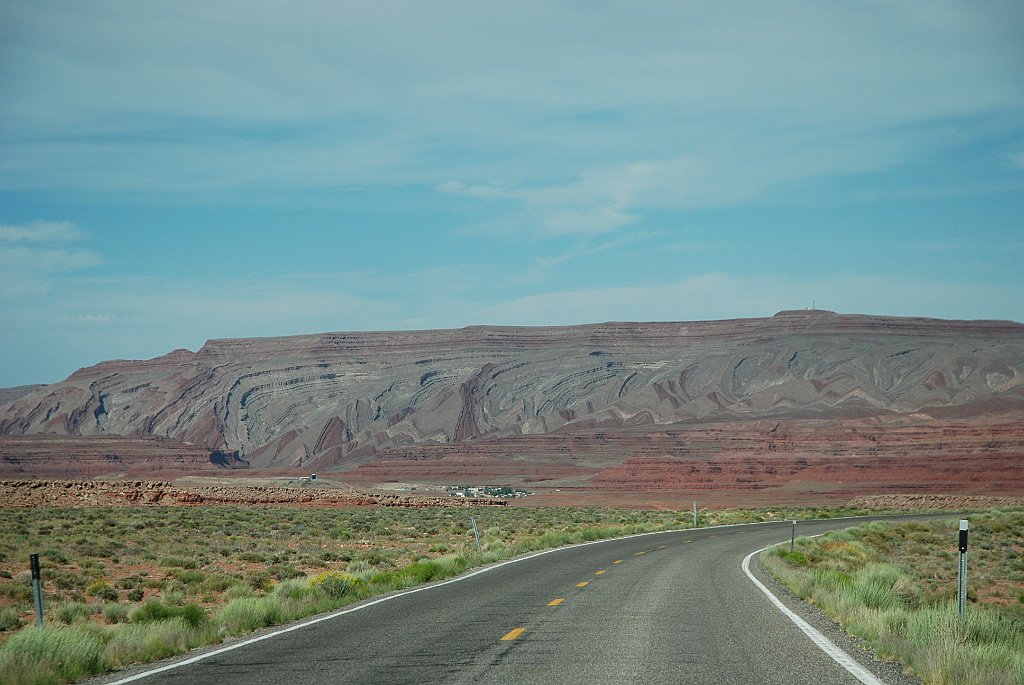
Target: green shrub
<point>258,580</point>
<point>340,533</point>
<point>189,577</point>
<point>335,584</point>
<point>238,590</point>
<point>73,612</point>
<point>873,587</point>
<point>253,557</point>
<point>115,613</point>
<point>101,589</point>
<point>10,618</point>
<point>150,641</point>
<point>830,579</point>
<point>19,590</point>
<point>136,594</point>
<point>57,654</point>
<point>217,583</point>
<point>54,555</point>
<point>422,571</point>
<point>179,562</point>
<point>155,610</point>
<point>284,571</point>
<point>387,580</point>
<point>795,558</point>
<point>361,569</point>
<point>247,614</point>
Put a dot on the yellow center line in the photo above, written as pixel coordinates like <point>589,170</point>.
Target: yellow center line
<point>687,540</point>
<point>617,561</point>
<point>599,573</point>
<point>639,553</point>
<point>583,584</point>
<point>556,602</point>
<point>513,634</point>
<point>663,547</point>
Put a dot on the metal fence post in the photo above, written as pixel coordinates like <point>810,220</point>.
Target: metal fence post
<point>961,594</point>
<point>37,588</point>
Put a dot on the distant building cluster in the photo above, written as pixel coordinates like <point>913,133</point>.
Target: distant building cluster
<point>502,492</point>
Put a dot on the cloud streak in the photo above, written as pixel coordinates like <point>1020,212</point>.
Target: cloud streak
<point>41,231</point>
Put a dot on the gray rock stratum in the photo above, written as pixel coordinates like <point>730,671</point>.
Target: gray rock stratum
<point>331,399</point>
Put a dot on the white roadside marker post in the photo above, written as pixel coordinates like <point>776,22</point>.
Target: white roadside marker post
<point>962,575</point>
<point>792,537</point>
<point>694,513</point>
<point>476,534</point>
<point>37,588</point>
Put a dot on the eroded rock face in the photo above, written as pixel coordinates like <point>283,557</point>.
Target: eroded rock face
<point>735,463</point>
<point>64,456</point>
<point>320,401</point>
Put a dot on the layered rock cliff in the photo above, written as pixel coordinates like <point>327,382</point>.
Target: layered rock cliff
<point>329,399</point>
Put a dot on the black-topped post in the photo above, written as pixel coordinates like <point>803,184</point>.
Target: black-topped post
<point>37,587</point>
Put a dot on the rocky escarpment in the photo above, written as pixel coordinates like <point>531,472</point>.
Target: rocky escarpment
<point>17,494</point>
<point>61,456</point>
<point>319,401</point>
<point>12,394</point>
<point>962,503</point>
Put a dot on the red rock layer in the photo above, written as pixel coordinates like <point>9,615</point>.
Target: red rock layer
<point>56,456</point>
<point>736,463</point>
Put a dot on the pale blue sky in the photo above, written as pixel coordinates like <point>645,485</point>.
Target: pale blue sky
<point>172,172</point>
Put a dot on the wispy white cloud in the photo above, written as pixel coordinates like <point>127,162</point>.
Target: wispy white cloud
<point>26,259</point>
<point>588,248</point>
<point>199,95</point>
<point>90,319</point>
<point>34,256</point>
<point>601,200</point>
<point>41,231</point>
<point>723,295</point>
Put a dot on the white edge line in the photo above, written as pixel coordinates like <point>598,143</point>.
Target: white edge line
<point>457,579</point>
<point>841,657</point>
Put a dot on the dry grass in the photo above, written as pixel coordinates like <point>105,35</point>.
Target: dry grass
<point>894,585</point>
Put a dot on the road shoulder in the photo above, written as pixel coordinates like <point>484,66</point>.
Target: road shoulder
<point>887,671</point>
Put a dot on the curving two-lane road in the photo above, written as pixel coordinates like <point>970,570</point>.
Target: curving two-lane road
<point>663,608</point>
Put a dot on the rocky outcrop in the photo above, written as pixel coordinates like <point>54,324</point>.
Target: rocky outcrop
<point>961,503</point>
<point>338,399</point>
<point>15,494</point>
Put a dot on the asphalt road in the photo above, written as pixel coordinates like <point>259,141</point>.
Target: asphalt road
<point>666,608</point>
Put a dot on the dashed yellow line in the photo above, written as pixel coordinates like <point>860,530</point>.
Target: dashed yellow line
<point>687,540</point>
<point>640,553</point>
<point>513,634</point>
<point>583,584</point>
<point>617,561</point>
<point>556,602</point>
<point>663,547</point>
<point>599,573</point>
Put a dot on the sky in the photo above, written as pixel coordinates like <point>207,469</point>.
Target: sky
<point>172,172</point>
